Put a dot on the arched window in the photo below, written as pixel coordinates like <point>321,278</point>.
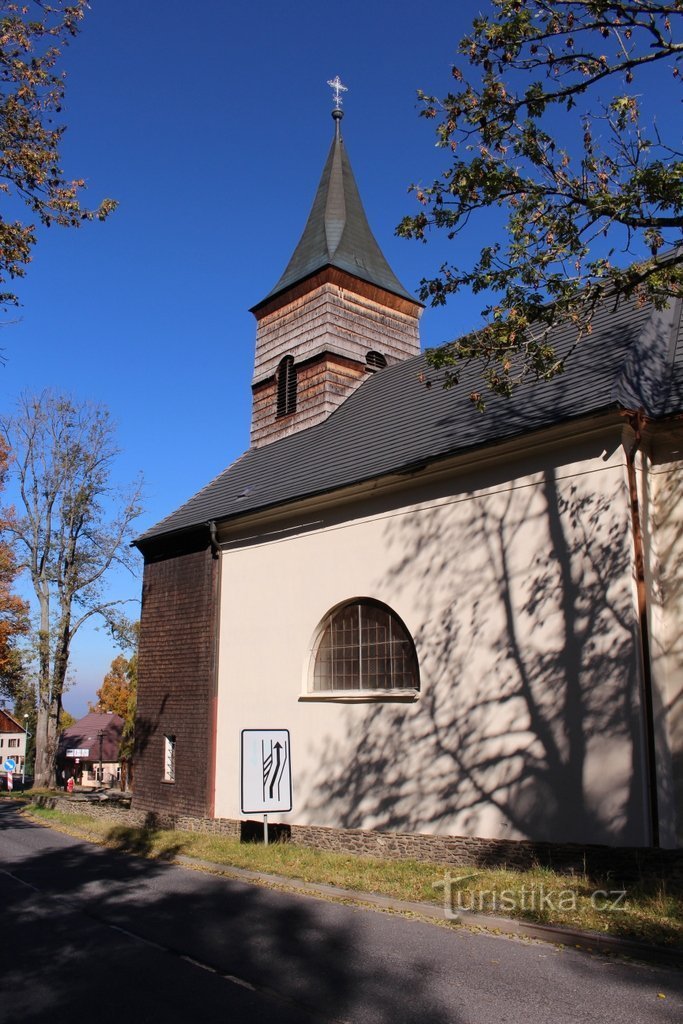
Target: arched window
<point>363,645</point>
<point>286,386</point>
<point>376,360</point>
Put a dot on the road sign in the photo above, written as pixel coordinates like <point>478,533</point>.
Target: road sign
<point>266,771</point>
<point>10,764</point>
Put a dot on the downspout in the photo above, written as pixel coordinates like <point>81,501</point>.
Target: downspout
<point>215,547</point>
<point>213,697</point>
<point>637,422</point>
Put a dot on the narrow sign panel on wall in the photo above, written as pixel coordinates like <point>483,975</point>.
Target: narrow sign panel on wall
<point>266,771</point>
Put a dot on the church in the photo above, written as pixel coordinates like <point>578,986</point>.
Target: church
<point>466,624</point>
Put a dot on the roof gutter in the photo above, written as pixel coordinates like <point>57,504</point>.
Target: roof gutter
<point>637,421</point>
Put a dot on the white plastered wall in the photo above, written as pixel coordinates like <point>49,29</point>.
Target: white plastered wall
<point>517,586</point>
<point>661,479</point>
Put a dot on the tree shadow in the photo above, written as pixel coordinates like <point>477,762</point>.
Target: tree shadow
<point>662,501</point>
<point>518,590</point>
<point>93,928</point>
<point>141,841</point>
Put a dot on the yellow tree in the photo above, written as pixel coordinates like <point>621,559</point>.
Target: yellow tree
<point>118,693</point>
<point>114,693</point>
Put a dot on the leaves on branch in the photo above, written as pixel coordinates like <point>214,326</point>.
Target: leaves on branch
<point>114,693</point>
<point>32,38</point>
<point>578,208</point>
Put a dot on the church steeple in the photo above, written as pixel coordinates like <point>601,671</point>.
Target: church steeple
<point>337,233</point>
<point>337,313</point>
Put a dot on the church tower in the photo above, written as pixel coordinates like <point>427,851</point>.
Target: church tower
<point>337,313</point>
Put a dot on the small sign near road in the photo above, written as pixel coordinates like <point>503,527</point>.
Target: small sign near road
<point>78,752</point>
<point>10,764</point>
<point>266,771</point>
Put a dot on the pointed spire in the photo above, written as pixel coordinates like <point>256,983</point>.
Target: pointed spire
<point>337,232</point>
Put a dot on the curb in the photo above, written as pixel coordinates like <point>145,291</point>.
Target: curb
<point>589,942</point>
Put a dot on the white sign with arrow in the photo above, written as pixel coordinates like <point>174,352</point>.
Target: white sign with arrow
<point>266,771</point>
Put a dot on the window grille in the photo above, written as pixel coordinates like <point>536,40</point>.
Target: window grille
<point>365,646</point>
<point>169,758</point>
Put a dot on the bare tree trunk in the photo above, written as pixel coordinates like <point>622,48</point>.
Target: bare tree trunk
<point>44,773</point>
<point>64,454</point>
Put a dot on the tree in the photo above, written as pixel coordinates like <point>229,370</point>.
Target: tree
<point>128,736</point>
<point>74,526</point>
<point>114,692</point>
<point>66,719</point>
<point>119,693</point>
<point>32,37</point>
<point>13,611</point>
<point>582,194</point>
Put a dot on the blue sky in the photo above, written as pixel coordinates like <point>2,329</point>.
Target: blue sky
<point>209,122</point>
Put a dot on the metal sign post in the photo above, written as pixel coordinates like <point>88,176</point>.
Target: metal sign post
<point>265,773</point>
<point>9,766</point>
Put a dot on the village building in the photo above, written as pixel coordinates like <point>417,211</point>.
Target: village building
<point>13,736</point>
<point>467,624</point>
<point>89,751</point>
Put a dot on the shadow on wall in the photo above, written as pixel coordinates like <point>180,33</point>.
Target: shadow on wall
<point>528,724</point>
<point>120,932</point>
<point>664,511</point>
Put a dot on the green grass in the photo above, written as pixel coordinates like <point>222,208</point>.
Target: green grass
<point>648,912</point>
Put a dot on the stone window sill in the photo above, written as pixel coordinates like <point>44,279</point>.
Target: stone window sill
<point>361,696</point>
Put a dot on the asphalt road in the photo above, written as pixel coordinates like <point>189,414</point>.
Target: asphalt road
<point>93,934</point>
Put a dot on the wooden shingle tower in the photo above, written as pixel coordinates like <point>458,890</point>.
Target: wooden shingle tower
<point>337,313</point>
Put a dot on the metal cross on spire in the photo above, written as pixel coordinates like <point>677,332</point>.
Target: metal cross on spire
<point>335,83</point>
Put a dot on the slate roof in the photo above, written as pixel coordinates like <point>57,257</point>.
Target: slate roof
<point>83,735</point>
<point>395,421</point>
<point>337,232</point>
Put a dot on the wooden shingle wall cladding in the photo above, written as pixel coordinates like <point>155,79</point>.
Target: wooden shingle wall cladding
<point>176,686</point>
<point>323,383</point>
<point>333,317</point>
<point>336,326</point>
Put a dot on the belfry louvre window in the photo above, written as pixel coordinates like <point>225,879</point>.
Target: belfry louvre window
<point>286,386</point>
<point>364,646</point>
<point>376,360</point>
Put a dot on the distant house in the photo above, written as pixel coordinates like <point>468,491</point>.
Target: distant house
<point>89,750</point>
<point>12,743</point>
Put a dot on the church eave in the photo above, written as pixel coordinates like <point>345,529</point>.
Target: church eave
<point>611,415</point>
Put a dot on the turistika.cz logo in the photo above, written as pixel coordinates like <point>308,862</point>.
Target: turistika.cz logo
<point>460,897</point>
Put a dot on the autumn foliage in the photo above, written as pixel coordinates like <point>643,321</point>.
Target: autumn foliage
<point>13,611</point>
<point>114,693</point>
<point>32,38</point>
<point>556,125</point>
